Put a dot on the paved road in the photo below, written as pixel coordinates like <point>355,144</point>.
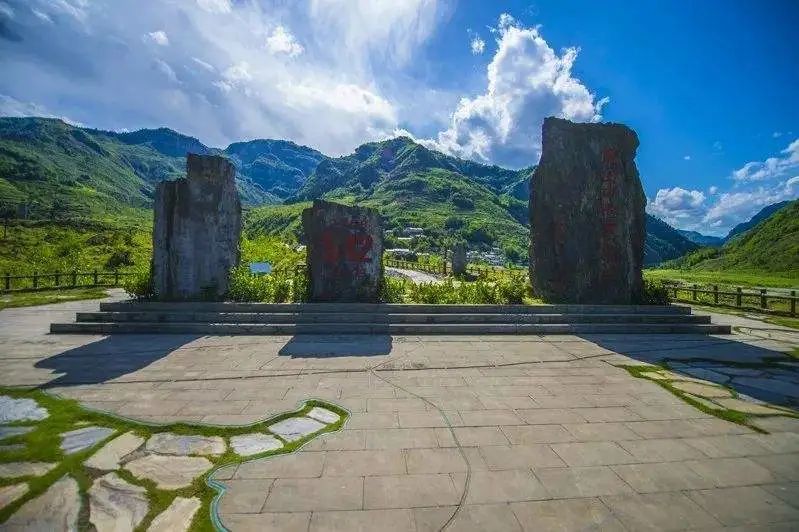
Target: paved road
<point>488,432</point>
<point>413,275</point>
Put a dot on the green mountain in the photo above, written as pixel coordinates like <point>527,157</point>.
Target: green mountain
<point>663,242</point>
<point>764,213</point>
<point>772,245</point>
<point>703,240</point>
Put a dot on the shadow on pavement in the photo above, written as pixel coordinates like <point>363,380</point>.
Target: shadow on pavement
<point>111,357</point>
<point>760,373</point>
<point>324,345</point>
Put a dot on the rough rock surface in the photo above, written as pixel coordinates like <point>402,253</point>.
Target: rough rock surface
<point>8,432</point>
<point>116,505</point>
<point>20,410</point>
<point>108,458</point>
<point>249,444</point>
<point>169,472</point>
<point>587,217</point>
<point>9,494</point>
<point>196,231</point>
<point>80,439</point>
<point>177,517</point>
<point>182,445</point>
<point>55,509</point>
<point>459,259</point>
<point>323,414</point>
<point>25,469</point>
<point>345,252</point>
<point>294,428</point>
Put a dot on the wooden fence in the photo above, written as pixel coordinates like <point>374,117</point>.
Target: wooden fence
<point>73,279</point>
<point>756,299</point>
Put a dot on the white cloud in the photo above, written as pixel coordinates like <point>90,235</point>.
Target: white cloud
<point>158,37</point>
<point>527,81</point>
<point>12,107</point>
<point>41,15</point>
<point>677,205</point>
<point>776,134</point>
<point>687,158</point>
<point>712,190</point>
<point>281,41</point>
<point>6,10</point>
<point>771,167</point>
<point>477,45</point>
<point>215,6</point>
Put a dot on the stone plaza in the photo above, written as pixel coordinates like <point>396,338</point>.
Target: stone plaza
<point>457,432</point>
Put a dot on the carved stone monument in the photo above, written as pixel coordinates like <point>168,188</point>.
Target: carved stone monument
<point>587,217</point>
<point>345,252</point>
<point>196,231</point>
<point>459,259</point>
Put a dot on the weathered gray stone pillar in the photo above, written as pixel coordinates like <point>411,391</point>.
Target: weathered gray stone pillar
<point>196,231</point>
<point>587,215</point>
<point>345,252</point>
<point>459,259</point>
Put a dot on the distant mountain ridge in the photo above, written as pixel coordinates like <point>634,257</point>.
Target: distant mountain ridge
<point>703,240</point>
<point>763,214</point>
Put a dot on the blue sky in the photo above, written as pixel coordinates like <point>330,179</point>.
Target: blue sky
<point>710,87</point>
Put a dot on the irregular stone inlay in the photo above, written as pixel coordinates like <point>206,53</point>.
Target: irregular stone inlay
<point>25,469</point>
<point>177,517</point>
<point>748,408</point>
<point>705,390</point>
<point>8,432</point>
<point>116,505</point>
<point>9,494</point>
<point>108,458</point>
<point>182,445</point>
<point>323,414</point>
<point>80,439</point>
<point>20,410</point>
<point>295,428</point>
<point>255,443</point>
<point>169,472</point>
<point>56,509</point>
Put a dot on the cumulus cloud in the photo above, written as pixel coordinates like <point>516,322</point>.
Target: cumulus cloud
<point>772,167</point>
<point>215,6</point>
<point>158,37</point>
<point>676,205</point>
<point>686,158</point>
<point>12,107</point>
<point>281,41</point>
<point>477,45</point>
<point>526,82</point>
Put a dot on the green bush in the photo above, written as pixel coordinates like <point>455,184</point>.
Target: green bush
<point>139,285</point>
<point>655,293</point>
<point>277,287</point>
<point>393,290</point>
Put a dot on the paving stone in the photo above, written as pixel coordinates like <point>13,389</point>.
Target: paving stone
<point>519,456</point>
<point>448,460</point>
<point>583,432</point>
<point>747,407</point>
<point>664,450</point>
<point>402,438</point>
<point>524,434</point>
<point>77,440</point>
<point>296,428</point>
<point>409,491</point>
<point>777,424</point>
<point>169,472</point>
<point>472,436</point>
<point>592,453</point>
<point>729,472</point>
<point>25,469</point>
<point>481,418</point>
<point>573,514</point>
<point>185,445</point>
<point>773,386</point>
<point>364,463</point>
<point>245,496</point>
<point>656,477</point>
<point>559,416</point>
<point>255,443</point>
<point>787,491</point>
<point>659,511</point>
<point>574,482</point>
<point>364,521</point>
<point>778,442</point>
<point>782,466</point>
<point>323,414</point>
<point>8,432</point>
<point>109,457</point>
<point>744,505</point>
<point>268,522</point>
<point>11,493</point>
<point>701,373</point>
<point>471,517</point>
<point>177,517</point>
<point>704,390</point>
<point>707,403</point>
<point>728,445</point>
<point>502,486</point>
<point>12,409</point>
<point>295,465</point>
<point>116,505</point>
<point>55,509</point>
<point>316,494</point>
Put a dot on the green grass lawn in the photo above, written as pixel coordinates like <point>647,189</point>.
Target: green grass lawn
<point>29,299</point>
<point>728,278</point>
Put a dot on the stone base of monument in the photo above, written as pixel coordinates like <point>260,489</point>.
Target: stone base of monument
<point>365,318</point>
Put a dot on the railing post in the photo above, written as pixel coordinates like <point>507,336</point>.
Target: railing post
<point>738,296</point>
<point>95,277</point>
<point>116,277</point>
<point>693,290</point>
<point>57,279</point>
<point>793,302</point>
<point>35,279</point>
<point>716,294</point>
<point>8,281</point>
<point>763,303</point>
<point>74,278</point>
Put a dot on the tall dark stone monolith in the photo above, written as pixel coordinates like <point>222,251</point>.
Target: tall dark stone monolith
<point>459,259</point>
<point>587,215</point>
<point>345,252</point>
<point>196,231</point>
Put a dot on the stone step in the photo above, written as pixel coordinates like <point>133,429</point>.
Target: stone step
<point>191,307</point>
<point>378,317</point>
<point>393,328</point>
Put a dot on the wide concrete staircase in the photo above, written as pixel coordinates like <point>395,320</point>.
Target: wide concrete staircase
<point>357,318</point>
